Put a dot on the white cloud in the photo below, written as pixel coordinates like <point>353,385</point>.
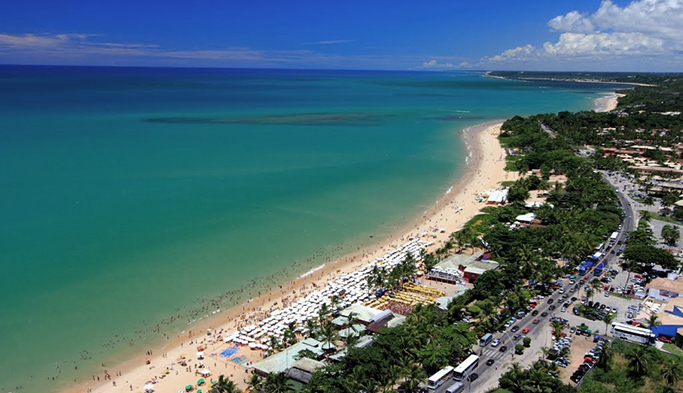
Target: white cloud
<point>39,40</point>
<point>434,64</point>
<point>525,51</point>
<point>650,28</point>
<point>573,21</point>
<point>429,64</point>
<point>604,44</point>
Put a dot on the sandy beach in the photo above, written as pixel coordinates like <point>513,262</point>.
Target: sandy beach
<point>607,102</point>
<point>486,162</point>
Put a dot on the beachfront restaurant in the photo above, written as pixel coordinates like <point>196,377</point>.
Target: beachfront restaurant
<point>284,360</point>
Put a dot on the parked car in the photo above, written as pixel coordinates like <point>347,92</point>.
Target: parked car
<point>495,342</point>
<point>514,328</point>
<point>544,314</point>
<point>525,330</point>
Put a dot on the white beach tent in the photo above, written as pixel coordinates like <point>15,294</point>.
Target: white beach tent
<point>205,372</point>
<point>149,387</point>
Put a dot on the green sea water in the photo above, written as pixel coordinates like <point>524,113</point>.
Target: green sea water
<point>134,201</point>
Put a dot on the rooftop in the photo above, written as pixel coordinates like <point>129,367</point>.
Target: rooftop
<point>664,284</point>
<point>364,314</point>
<point>282,361</point>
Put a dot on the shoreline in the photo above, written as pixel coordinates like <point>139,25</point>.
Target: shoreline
<point>608,102</point>
<point>485,170</point>
<point>577,80</point>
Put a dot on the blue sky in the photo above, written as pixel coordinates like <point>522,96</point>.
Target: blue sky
<point>637,35</point>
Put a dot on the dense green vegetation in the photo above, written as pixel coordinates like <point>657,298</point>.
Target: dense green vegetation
<point>626,368</point>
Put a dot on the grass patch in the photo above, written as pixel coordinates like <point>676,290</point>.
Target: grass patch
<point>660,217</point>
<point>673,349</point>
<point>508,183</point>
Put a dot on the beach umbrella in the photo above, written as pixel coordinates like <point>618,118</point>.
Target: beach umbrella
<point>149,388</point>
<point>200,381</point>
<point>188,388</point>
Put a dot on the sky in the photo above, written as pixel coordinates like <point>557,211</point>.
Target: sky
<point>542,35</point>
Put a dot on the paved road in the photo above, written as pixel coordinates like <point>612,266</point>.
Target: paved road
<point>539,334</point>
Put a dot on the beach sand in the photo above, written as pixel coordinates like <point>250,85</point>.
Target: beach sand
<point>486,160</point>
<point>607,102</point>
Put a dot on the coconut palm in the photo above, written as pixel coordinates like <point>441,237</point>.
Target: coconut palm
<point>289,335</point>
<point>608,319</point>
<point>328,334</point>
<point>653,321</point>
<point>605,359</point>
<point>557,327</point>
<point>224,385</point>
<point>312,327</point>
<point>323,314</point>
<point>277,383</point>
<point>639,360</point>
<point>513,380</point>
<point>274,344</point>
<point>254,383</point>
<point>672,371</point>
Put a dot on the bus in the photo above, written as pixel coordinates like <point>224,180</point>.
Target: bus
<point>633,333</point>
<point>440,377</point>
<point>484,341</point>
<point>613,237</point>
<point>465,368</point>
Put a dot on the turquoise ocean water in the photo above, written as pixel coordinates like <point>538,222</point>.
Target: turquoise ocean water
<point>135,200</point>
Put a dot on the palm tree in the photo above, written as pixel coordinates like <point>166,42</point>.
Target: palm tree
<point>596,285</point>
<point>289,336</point>
<point>276,383</point>
<point>605,359</point>
<point>329,335</point>
<point>254,383</point>
<point>608,319</point>
<point>557,327</point>
<point>639,360</point>
<point>224,385</point>
<point>645,215</point>
<point>323,314</point>
<point>312,327</point>
<point>672,371</point>
<point>514,379</point>
<point>274,344</point>
<point>653,321</point>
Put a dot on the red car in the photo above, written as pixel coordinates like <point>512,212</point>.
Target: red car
<point>525,330</point>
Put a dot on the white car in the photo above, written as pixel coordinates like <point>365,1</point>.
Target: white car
<point>495,342</point>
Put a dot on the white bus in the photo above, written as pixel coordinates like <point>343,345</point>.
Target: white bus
<point>440,377</point>
<point>613,238</point>
<point>632,333</point>
<point>484,341</point>
<point>465,368</point>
